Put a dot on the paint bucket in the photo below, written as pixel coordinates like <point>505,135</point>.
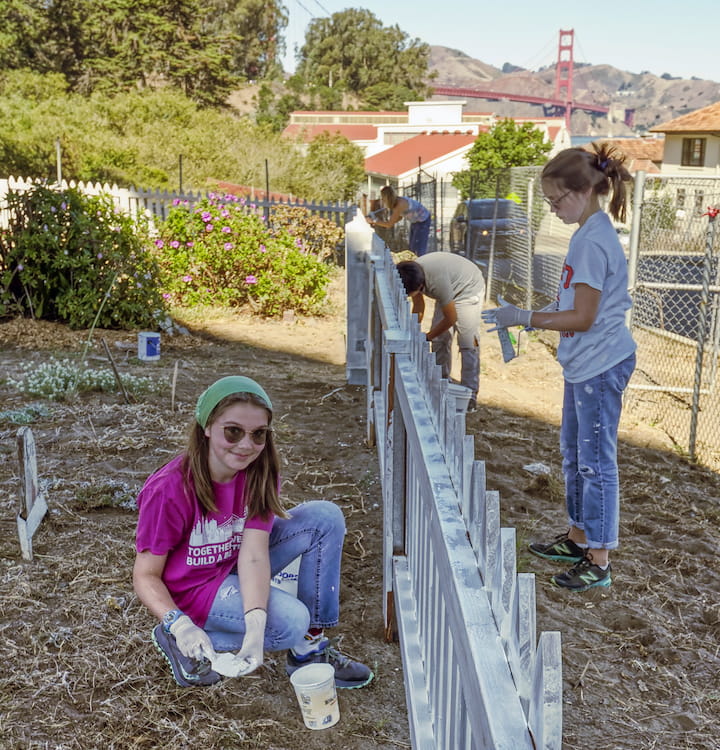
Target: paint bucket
<point>461,394</point>
<point>315,690</point>
<point>287,578</point>
<point>148,346</point>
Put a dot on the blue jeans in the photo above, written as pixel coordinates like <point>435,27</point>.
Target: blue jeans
<point>316,531</point>
<point>419,234</point>
<point>588,443</point>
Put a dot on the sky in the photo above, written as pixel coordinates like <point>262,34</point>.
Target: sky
<point>632,35</point>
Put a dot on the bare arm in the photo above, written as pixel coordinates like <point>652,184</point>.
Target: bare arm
<point>254,569</point>
<point>580,318</point>
<point>418,305</point>
<point>445,323</point>
<point>148,583</point>
<point>400,207</point>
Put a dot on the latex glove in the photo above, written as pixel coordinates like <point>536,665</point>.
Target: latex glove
<point>505,316</point>
<point>252,646</point>
<point>192,641</point>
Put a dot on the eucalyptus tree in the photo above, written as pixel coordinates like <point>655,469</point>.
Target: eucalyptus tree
<point>351,52</point>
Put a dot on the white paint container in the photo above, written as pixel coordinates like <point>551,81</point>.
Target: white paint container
<point>148,346</point>
<point>462,396</point>
<point>315,690</point>
<point>287,578</point>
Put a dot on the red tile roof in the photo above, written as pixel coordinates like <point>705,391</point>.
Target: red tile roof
<point>351,132</point>
<point>424,148</point>
<point>705,120</point>
<point>640,153</point>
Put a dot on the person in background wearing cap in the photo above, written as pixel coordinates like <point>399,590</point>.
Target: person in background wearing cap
<point>212,532</point>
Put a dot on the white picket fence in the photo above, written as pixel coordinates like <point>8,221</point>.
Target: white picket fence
<point>156,204</point>
<point>476,676</point>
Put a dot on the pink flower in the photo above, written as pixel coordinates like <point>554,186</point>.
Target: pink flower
<point>228,246</point>
<point>187,278</point>
<point>175,243</point>
<point>159,243</point>
<point>208,227</point>
<point>227,230</point>
<point>250,280</point>
<point>263,249</point>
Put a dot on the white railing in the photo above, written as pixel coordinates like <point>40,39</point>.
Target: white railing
<point>156,204</point>
<point>475,675</point>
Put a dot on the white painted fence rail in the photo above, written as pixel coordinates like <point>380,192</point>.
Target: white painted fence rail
<point>475,675</point>
<point>156,204</point>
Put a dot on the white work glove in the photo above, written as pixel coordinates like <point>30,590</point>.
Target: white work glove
<point>505,316</point>
<point>252,647</point>
<point>192,641</point>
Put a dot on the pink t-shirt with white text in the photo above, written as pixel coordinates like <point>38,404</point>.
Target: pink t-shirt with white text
<point>201,549</point>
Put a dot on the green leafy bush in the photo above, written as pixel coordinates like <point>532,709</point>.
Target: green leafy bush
<point>221,253</point>
<point>320,236</point>
<point>78,260</point>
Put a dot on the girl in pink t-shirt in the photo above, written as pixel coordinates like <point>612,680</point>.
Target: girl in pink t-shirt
<point>212,532</point>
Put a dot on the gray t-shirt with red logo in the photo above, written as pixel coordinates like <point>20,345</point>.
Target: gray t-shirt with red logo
<point>596,258</point>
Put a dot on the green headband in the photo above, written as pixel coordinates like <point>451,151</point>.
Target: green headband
<point>222,388</point>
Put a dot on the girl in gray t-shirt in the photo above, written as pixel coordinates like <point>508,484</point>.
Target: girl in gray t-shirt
<point>597,354</point>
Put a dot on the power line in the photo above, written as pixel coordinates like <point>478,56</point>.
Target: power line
<point>306,9</point>
<point>322,7</point>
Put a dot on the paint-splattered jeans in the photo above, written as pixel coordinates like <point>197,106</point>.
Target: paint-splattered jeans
<point>588,443</point>
<point>316,531</point>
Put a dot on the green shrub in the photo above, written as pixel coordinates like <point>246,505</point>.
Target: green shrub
<point>72,258</point>
<point>320,236</point>
<point>221,253</point>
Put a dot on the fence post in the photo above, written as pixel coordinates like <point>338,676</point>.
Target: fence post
<point>701,331</point>
<point>358,243</point>
<point>634,246</point>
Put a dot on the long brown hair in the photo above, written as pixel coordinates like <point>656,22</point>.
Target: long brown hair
<point>262,476</point>
<point>601,169</point>
<point>389,197</point>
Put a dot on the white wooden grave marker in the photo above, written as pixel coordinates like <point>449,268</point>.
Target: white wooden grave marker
<point>33,506</point>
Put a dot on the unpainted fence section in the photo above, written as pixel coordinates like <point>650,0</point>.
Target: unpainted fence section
<point>156,204</point>
<point>475,675</point>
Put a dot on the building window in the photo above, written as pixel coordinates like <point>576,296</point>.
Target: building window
<point>699,200</point>
<point>693,152</point>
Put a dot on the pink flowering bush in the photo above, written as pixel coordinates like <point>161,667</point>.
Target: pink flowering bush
<point>221,253</point>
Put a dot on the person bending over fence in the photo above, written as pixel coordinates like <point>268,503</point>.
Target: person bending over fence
<point>458,288</point>
<point>410,209</point>
<point>597,354</point>
<point>212,532</point>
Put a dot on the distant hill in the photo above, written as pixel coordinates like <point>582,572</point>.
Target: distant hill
<point>655,99</point>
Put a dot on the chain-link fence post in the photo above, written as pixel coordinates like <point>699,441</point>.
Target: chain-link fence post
<point>702,328</point>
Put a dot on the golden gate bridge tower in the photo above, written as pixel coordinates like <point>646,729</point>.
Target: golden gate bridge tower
<point>564,72</point>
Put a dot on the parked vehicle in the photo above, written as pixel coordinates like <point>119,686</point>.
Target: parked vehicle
<point>486,217</point>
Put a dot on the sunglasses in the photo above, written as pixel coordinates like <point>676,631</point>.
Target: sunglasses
<point>235,434</point>
<point>555,202</point>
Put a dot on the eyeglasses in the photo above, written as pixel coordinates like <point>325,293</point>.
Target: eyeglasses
<point>235,434</point>
<point>555,202</point>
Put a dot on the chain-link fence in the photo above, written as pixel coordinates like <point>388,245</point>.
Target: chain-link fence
<point>673,245</point>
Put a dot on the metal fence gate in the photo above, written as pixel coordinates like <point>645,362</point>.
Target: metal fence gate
<point>424,190</point>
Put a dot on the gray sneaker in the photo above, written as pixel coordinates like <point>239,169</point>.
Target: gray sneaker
<point>348,673</point>
<point>186,672</point>
<point>562,548</point>
<point>583,576</point>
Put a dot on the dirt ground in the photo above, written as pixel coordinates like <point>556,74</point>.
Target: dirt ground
<point>640,660</point>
